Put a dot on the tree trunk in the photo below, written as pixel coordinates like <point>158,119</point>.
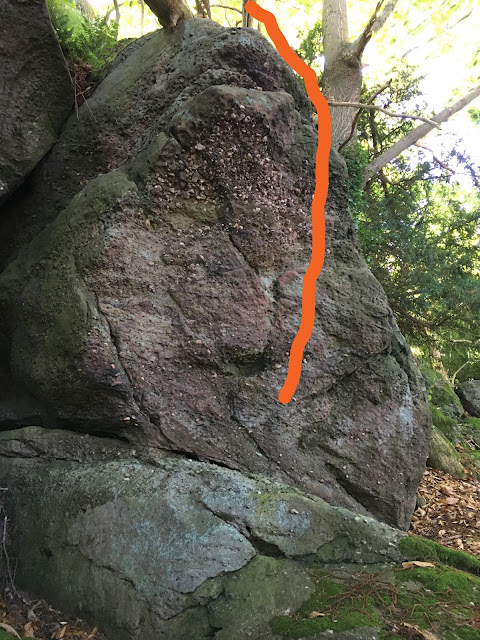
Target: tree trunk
<point>247,19</point>
<point>117,11</point>
<point>415,135</point>
<point>342,76</point>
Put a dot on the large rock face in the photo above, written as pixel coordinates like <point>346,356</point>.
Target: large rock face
<point>156,547</point>
<point>153,277</point>
<point>36,93</point>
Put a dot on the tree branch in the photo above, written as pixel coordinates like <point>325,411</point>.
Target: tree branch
<point>376,22</point>
<point>224,6</point>
<point>384,16</point>
<point>412,137</point>
<point>361,105</point>
<point>416,321</point>
<point>357,115</point>
<point>452,379</point>
<point>436,159</point>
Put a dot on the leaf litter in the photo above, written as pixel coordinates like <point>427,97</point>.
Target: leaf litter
<point>23,619</point>
<point>450,514</point>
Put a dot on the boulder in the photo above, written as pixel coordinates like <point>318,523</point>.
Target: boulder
<point>154,295</point>
<point>469,394</point>
<point>151,545</point>
<point>443,455</point>
<point>36,92</point>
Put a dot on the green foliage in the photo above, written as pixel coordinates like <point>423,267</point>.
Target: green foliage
<point>443,422</point>
<point>474,114</point>
<point>356,157</point>
<point>311,46</point>
<point>473,422</point>
<point>82,40</point>
<point>419,230</point>
<point>416,548</point>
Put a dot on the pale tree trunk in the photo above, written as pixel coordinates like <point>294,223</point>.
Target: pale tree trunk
<point>416,134</point>
<point>342,76</point>
<point>117,11</point>
<point>247,19</point>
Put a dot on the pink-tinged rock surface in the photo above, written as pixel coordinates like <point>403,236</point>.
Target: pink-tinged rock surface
<point>158,301</point>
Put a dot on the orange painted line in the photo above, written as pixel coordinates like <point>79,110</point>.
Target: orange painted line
<point>319,198</point>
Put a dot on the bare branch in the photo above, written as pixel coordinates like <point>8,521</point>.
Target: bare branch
<point>436,159</point>
<point>384,16</point>
<point>361,105</point>
<point>452,380</point>
<point>376,22</point>
<point>357,115</point>
<point>224,6</point>
<point>447,29</point>
<point>412,137</point>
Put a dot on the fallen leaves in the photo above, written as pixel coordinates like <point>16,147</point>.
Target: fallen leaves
<point>416,563</point>
<point>39,621</point>
<point>28,631</point>
<point>450,515</point>
<point>412,632</point>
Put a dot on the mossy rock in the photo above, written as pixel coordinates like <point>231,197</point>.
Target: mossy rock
<point>471,430</point>
<point>417,548</point>
<point>442,394</point>
<point>442,598</point>
<point>445,424</point>
<point>443,455</point>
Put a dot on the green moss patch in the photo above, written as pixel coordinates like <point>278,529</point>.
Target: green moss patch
<point>445,424</point>
<point>473,422</point>
<point>416,548</point>
<point>441,599</point>
<point>340,606</point>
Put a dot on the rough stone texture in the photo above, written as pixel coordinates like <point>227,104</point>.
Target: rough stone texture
<point>151,545</point>
<point>36,93</point>
<point>160,303</point>
<point>443,455</point>
<point>469,394</point>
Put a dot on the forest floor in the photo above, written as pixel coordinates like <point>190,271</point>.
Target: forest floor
<point>450,515</point>
<point>24,618</point>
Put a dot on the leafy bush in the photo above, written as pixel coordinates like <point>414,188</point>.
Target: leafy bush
<point>90,42</point>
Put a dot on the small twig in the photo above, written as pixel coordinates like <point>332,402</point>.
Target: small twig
<point>224,6</point>
<point>436,159</point>
<point>361,105</point>
<point>6,556</point>
<point>79,92</point>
